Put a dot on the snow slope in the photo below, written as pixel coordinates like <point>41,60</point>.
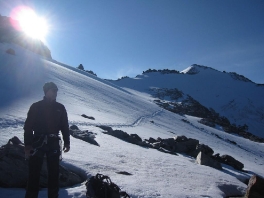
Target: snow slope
<point>154,174</point>
<point>241,101</point>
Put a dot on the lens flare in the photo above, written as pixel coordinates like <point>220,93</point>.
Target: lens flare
<point>28,21</point>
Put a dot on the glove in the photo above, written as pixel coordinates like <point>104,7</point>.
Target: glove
<point>66,148</point>
<point>28,149</point>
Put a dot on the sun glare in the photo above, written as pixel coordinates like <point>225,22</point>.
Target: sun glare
<point>33,25</point>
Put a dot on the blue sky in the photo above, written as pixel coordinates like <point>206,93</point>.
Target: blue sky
<point>125,37</point>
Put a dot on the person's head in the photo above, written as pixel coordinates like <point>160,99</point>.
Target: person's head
<point>50,89</point>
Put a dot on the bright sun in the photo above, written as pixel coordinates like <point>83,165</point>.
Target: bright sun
<point>33,25</point>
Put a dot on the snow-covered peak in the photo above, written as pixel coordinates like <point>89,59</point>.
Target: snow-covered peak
<point>195,69</point>
<point>230,94</point>
<point>133,111</point>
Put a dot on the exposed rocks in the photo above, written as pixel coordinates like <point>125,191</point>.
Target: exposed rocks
<point>88,117</point>
<point>14,168</point>
<point>206,160</point>
<point>236,76</point>
<point>124,173</point>
<point>11,51</point>
<point>156,145</point>
<point>207,122</point>
<point>136,137</point>
<point>133,138</point>
<point>229,160</point>
<point>164,71</point>
<point>151,140</point>
<point>83,135</point>
<point>179,144</point>
<point>255,187</point>
<point>105,128</point>
<point>202,148</point>
<point>119,134</point>
<point>181,138</point>
<point>184,104</point>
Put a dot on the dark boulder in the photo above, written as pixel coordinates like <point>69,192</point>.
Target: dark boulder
<point>74,127</point>
<point>132,138</point>
<point>186,146</point>
<point>88,117</point>
<point>206,160</point>
<point>151,140</point>
<point>105,128</point>
<point>135,136</point>
<point>14,168</point>
<point>179,144</point>
<point>201,148</point>
<point>83,135</point>
<point>229,160</point>
<point>255,187</point>
<point>181,138</point>
<point>119,134</point>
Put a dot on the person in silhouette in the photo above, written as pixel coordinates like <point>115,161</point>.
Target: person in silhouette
<point>45,119</point>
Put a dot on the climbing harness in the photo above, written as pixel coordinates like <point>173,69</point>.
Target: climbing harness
<point>42,140</point>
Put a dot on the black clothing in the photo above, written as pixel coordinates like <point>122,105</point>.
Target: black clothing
<point>44,121</point>
<point>35,165</point>
<point>45,117</point>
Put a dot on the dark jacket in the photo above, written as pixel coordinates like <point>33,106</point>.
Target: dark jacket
<point>45,117</point>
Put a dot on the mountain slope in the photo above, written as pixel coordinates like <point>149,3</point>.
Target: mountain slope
<point>154,174</point>
<point>20,72</point>
<point>229,94</point>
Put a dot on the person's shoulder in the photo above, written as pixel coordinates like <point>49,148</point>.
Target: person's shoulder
<point>37,104</point>
<point>59,105</point>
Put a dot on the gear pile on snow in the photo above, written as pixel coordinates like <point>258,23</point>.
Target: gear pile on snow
<point>101,186</point>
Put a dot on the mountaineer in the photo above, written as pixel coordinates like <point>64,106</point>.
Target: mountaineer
<point>45,119</point>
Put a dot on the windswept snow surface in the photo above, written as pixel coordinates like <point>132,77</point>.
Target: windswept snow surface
<point>154,174</point>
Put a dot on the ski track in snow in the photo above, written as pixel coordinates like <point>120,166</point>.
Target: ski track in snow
<point>155,174</point>
<point>137,122</point>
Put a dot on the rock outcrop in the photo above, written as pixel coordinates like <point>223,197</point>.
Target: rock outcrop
<point>132,138</point>
<point>229,160</point>
<point>83,135</point>
<point>255,187</point>
<point>206,160</point>
<point>179,144</point>
<point>14,168</point>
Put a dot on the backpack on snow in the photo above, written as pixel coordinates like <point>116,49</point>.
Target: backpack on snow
<point>101,186</point>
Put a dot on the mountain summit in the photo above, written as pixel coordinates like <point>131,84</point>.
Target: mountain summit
<point>133,110</point>
<point>229,94</point>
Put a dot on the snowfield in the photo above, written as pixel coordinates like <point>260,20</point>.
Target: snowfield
<point>230,95</point>
<point>154,174</point>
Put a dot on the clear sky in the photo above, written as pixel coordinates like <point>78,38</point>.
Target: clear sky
<point>116,38</point>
